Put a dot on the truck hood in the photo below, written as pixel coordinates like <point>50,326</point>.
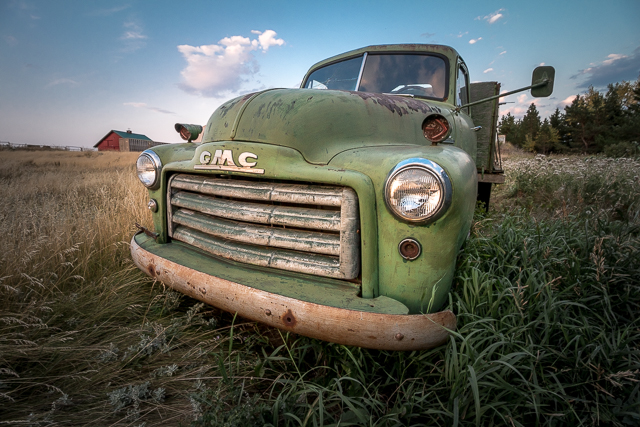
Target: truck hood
<point>322,123</point>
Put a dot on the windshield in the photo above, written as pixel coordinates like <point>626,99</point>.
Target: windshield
<point>339,76</point>
<point>409,74</point>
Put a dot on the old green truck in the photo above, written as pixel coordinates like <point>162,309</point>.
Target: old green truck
<point>336,210</point>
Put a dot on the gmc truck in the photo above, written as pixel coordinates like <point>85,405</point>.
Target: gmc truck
<point>336,210</point>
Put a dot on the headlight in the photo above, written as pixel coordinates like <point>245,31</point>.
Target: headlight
<point>149,167</point>
<point>418,190</point>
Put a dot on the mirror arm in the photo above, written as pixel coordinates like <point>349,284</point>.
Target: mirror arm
<point>491,98</point>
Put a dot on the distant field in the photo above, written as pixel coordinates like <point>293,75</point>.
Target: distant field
<point>547,295</point>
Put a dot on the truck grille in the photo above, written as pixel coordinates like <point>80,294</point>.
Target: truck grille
<point>310,229</point>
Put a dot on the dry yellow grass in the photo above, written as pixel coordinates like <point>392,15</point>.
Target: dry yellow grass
<point>67,159</point>
<point>55,201</point>
<point>85,337</point>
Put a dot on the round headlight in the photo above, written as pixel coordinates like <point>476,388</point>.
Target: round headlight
<point>149,167</point>
<point>418,190</point>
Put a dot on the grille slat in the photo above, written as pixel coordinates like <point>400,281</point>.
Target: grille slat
<point>288,193</point>
<point>323,243</point>
<point>297,227</point>
<point>316,219</point>
<point>260,255</point>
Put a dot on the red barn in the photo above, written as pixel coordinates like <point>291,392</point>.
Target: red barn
<point>111,141</point>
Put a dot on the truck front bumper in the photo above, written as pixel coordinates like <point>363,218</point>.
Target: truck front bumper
<point>368,329</point>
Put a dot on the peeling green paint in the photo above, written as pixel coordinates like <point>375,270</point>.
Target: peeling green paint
<point>342,138</point>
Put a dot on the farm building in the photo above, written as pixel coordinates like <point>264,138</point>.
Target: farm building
<point>117,140</point>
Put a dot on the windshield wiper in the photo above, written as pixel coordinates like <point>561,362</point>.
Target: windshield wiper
<point>408,95</point>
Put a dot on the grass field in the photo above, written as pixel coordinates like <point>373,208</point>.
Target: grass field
<point>547,295</point>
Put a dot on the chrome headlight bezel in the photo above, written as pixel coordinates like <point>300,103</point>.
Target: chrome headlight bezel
<point>153,184</point>
<point>440,176</point>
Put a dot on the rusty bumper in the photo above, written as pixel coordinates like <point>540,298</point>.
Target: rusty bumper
<point>343,326</point>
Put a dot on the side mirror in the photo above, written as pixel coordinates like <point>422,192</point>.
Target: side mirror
<point>542,81</point>
<point>188,132</point>
<point>541,86</point>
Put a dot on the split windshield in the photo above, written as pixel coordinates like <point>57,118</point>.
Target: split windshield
<point>408,74</point>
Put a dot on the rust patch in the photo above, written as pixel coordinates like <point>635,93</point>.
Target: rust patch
<point>249,95</point>
<point>203,290</point>
<point>151,269</point>
<point>372,337</point>
<point>289,319</point>
<point>396,104</point>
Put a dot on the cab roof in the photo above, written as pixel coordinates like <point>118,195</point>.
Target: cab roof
<point>447,51</point>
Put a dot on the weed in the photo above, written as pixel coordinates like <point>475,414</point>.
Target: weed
<point>546,294</point>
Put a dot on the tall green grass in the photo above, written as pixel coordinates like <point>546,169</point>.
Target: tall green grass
<point>548,333</point>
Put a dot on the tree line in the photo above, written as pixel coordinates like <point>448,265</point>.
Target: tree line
<point>595,122</point>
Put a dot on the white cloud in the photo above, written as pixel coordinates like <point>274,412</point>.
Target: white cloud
<point>615,68</point>
<point>503,52</point>
<point>57,82</point>
<point>521,105</point>
<point>463,34</point>
<point>223,67</point>
<point>147,107</point>
<point>133,37</point>
<point>474,41</point>
<point>514,110</point>
<point>613,57</point>
<point>492,18</point>
<point>568,101</point>
<point>133,31</point>
<point>268,39</point>
<point>541,64</point>
<point>488,70</point>
<point>110,11</point>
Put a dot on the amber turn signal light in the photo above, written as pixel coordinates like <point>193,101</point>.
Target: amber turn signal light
<point>436,128</point>
<point>188,132</point>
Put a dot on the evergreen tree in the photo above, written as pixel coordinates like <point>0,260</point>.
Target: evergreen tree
<point>630,99</point>
<point>547,139</point>
<point>595,122</point>
<point>577,117</point>
<point>558,123</point>
<point>531,122</point>
<point>510,128</point>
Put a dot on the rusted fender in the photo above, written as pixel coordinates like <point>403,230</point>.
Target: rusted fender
<point>338,325</point>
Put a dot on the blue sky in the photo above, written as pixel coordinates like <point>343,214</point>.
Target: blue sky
<point>71,70</point>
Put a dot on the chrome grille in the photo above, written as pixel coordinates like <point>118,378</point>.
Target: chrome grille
<point>297,227</point>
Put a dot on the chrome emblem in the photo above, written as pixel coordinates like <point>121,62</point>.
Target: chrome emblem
<point>223,160</point>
